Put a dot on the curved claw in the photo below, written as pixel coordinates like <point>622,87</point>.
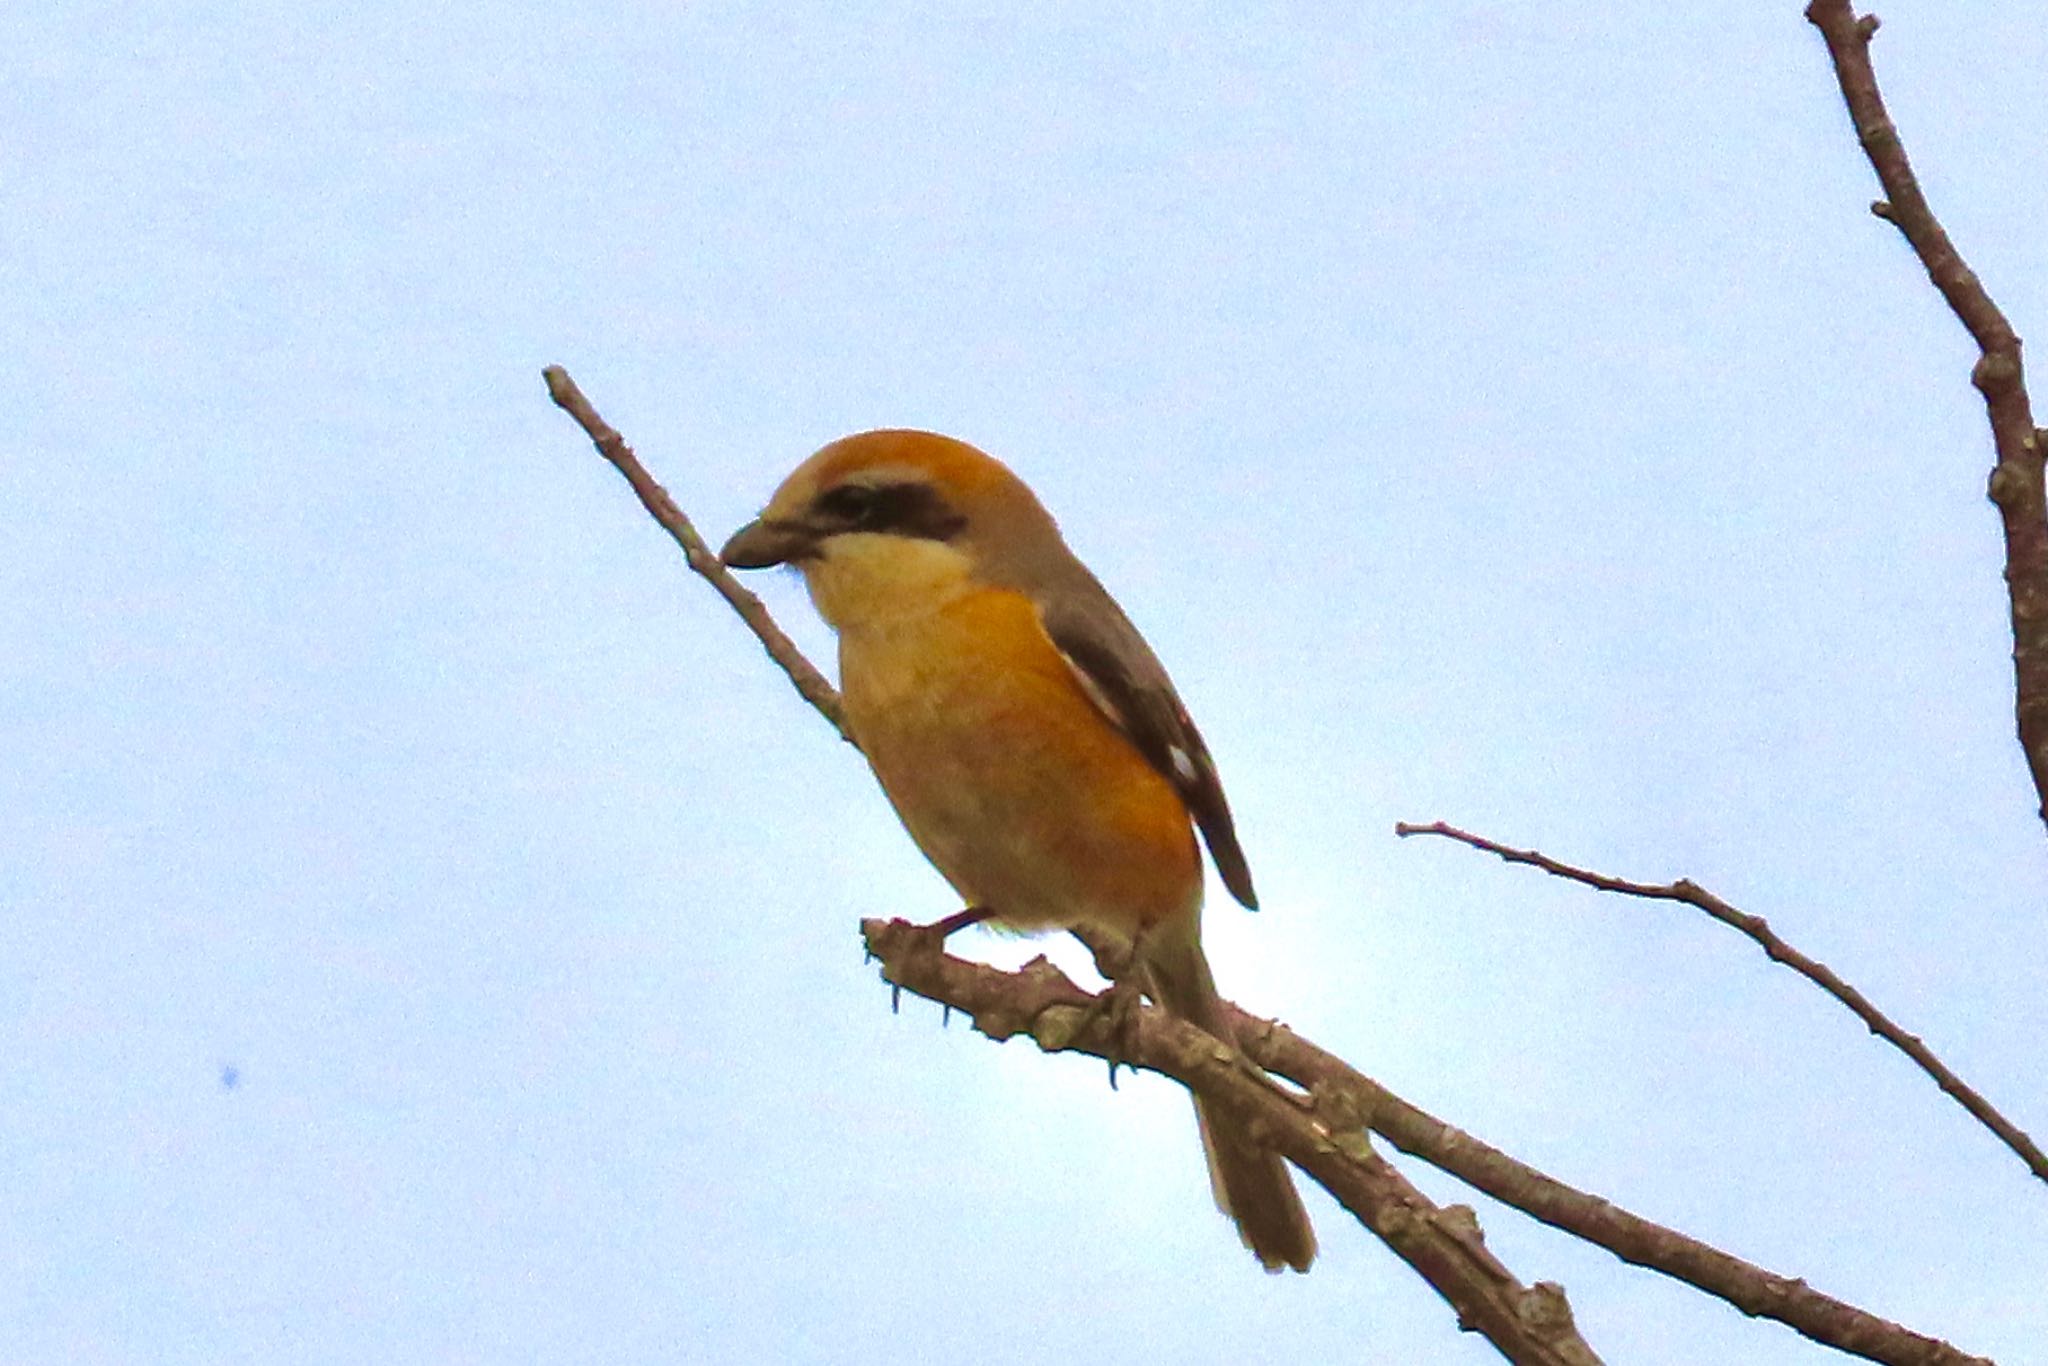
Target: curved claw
<point>1117,1008</point>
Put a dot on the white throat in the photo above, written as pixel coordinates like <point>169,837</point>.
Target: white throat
<point>862,581</point>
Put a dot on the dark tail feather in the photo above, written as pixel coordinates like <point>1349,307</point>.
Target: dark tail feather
<point>1251,1183</point>
<point>1252,1187</point>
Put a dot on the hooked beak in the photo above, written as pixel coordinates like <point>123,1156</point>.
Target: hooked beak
<point>762,543</point>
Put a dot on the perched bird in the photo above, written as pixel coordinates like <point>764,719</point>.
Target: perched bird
<point>1025,733</point>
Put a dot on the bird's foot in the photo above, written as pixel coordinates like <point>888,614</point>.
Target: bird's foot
<point>930,940</point>
<point>1116,1009</point>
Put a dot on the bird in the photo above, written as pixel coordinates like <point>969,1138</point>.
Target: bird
<point>1028,738</point>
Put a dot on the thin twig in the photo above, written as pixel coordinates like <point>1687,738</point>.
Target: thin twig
<point>2017,480</point>
<point>1322,1135</point>
<point>809,682</point>
<point>1757,928</point>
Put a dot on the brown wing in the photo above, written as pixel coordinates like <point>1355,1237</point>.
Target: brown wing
<point>1126,681</point>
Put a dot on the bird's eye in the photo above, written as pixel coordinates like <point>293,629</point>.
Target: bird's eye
<point>849,503</point>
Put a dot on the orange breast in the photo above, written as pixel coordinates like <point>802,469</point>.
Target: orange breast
<point>1008,778</point>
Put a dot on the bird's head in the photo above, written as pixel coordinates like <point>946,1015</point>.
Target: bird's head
<point>888,524</point>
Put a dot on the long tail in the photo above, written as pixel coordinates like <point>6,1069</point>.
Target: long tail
<point>1251,1183</point>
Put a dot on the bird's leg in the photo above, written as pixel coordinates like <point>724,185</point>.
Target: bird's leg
<point>933,937</point>
<point>950,925</point>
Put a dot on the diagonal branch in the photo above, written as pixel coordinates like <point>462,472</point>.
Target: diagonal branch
<point>1324,1134</point>
<point>1634,1239</point>
<point>802,673</point>
<point>2017,482</point>
<point>1639,1241</point>
<point>1757,928</point>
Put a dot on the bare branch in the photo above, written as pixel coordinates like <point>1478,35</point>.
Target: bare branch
<point>2017,482</point>
<point>1341,1089</point>
<point>1757,928</point>
<point>1750,1288</point>
<point>1322,1134</point>
<point>809,682</point>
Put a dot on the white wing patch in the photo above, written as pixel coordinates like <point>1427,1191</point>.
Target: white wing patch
<point>1186,770</point>
<point>1096,695</point>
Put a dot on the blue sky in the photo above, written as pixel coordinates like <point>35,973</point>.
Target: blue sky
<point>1508,414</point>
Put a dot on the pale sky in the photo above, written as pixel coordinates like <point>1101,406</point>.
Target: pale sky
<point>428,924</point>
